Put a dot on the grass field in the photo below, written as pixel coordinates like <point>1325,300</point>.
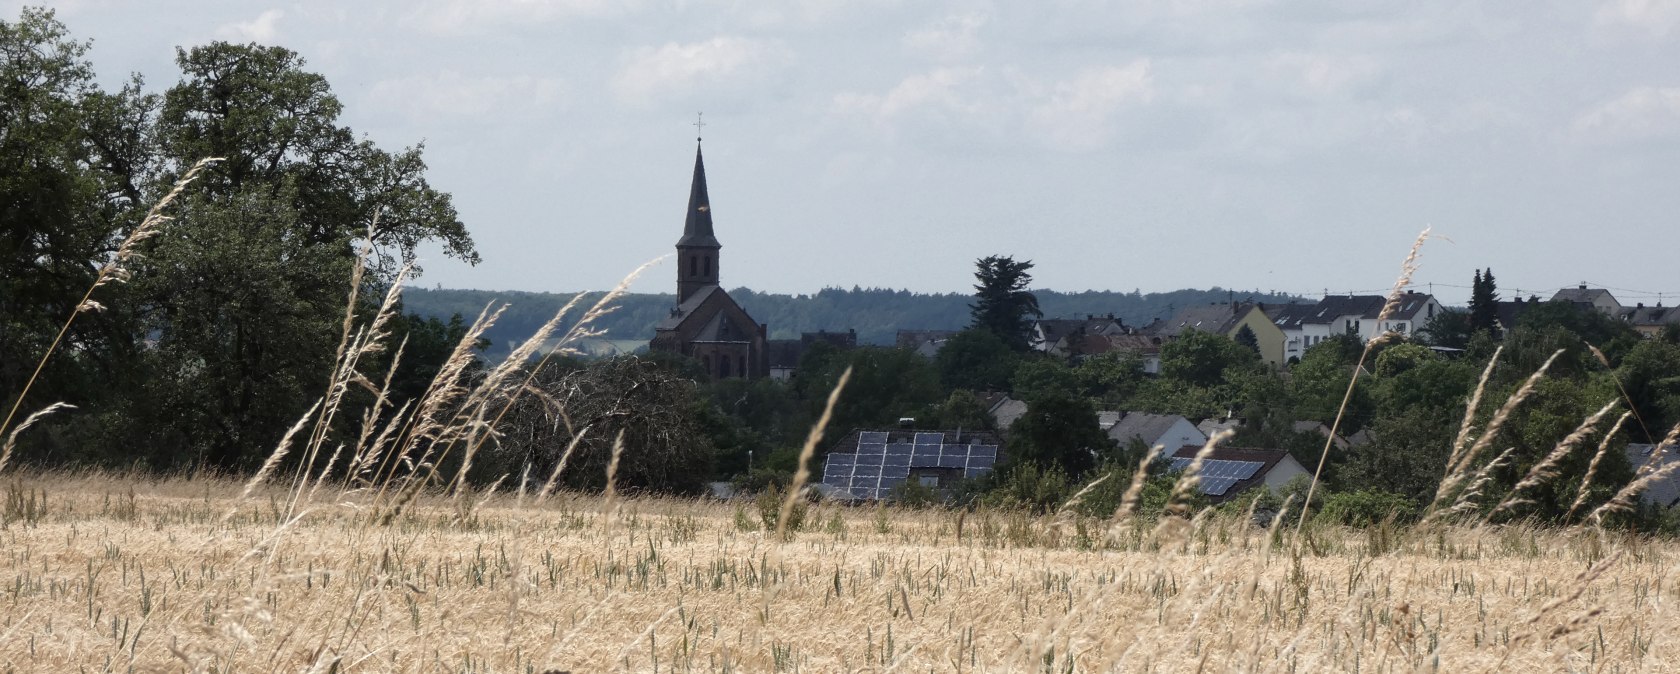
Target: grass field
<point>105,574</point>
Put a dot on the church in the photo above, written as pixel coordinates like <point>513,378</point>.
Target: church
<point>707,325</point>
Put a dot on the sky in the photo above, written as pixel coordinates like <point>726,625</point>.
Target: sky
<point>1295,146</point>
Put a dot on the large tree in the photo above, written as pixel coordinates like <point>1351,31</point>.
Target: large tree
<point>71,162</point>
<point>1002,304</point>
<point>245,291</point>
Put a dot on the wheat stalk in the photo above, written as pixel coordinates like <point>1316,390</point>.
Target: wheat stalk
<point>805,452</point>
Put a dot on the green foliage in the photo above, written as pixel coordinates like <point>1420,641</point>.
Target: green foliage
<point>977,360</point>
<point>1367,507</point>
<point>1450,328</point>
<point>1650,373</point>
<point>769,504</point>
<point>886,385</point>
<point>962,410</point>
<point>1112,377</point>
<point>1031,487</point>
<point>1399,358</point>
<point>1202,358</point>
<point>1059,430</point>
<point>914,494</point>
<point>1002,304</point>
<point>1484,303</point>
<point>1245,336</point>
<point>1042,375</point>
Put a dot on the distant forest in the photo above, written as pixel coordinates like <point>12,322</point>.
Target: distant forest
<point>876,314</point>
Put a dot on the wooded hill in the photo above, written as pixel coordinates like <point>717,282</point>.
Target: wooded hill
<point>877,314</point>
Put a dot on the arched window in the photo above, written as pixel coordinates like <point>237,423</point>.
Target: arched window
<point>743,371</point>
<point>724,370</point>
<point>694,265</point>
<point>706,362</point>
<point>708,265</point>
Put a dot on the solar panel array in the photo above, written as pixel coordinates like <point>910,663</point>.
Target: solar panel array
<point>879,466</point>
<point>1218,475</point>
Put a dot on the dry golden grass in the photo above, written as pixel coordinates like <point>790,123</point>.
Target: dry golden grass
<point>105,574</point>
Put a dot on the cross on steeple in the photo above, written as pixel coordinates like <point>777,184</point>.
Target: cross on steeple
<point>698,123</point>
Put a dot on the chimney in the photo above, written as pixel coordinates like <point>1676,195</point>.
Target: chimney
<point>1583,286</point>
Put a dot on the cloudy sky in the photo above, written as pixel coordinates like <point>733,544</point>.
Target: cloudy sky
<point>1151,144</point>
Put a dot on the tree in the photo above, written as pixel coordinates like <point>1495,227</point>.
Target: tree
<point>977,360</point>
<point>1484,303</point>
<point>1059,430</point>
<point>67,194</point>
<point>1002,304</point>
<point>1448,328</point>
<point>247,288</point>
<point>1245,336</point>
<point>656,413</point>
<point>1202,358</point>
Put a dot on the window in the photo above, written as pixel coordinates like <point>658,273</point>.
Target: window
<point>929,480</point>
<point>694,265</point>
<point>708,265</point>
<point>723,370</point>
<point>706,362</point>
<point>743,371</point>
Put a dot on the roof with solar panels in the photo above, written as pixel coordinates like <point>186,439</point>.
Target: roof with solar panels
<point>1229,471</point>
<point>871,464</point>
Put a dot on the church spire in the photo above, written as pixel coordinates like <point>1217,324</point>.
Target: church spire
<point>697,231</point>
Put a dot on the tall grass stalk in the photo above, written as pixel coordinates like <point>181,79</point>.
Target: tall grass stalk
<point>811,439</point>
<point>1408,268</point>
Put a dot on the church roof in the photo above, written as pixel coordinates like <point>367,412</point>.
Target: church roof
<point>687,307</point>
<point>697,230</point>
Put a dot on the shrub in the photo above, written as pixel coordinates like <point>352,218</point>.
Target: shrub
<point>1366,507</point>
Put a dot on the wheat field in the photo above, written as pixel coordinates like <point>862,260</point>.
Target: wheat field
<point>102,573</point>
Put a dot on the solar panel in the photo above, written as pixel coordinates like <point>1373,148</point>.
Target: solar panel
<point>1248,469</point>
<point>1217,486</point>
<point>866,471</point>
<point>973,472</point>
<point>899,448</point>
<point>842,459</point>
<point>895,471</point>
<point>951,460</point>
<point>925,456</point>
<point>898,459</point>
<point>869,459</point>
<point>1179,464</point>
<point>983,450</point>
<point>930,439</point>
<point>981,462</point>
<point>872,437</point>
<point>872,448</point>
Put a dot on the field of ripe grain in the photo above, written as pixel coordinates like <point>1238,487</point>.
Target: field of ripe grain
<point>105,574</point>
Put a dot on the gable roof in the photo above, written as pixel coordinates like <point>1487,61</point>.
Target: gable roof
<point>1652,316</point>
<point>1216,318</point>
<point>1290,316</point>
<point>1144,426</point>
<point>1336,306</point>
<point>1584,295</point>
<point>1410,305</point>
<point>1267,458</point>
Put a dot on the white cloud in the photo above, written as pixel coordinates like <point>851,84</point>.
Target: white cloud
<point>1641,114</point>
<point>1656,16</point>
<point>260,29</point>
<point>1319,75</point>
<point>1079,113</point>
<point>469,16</point>
<point>675,70</point>
<point>939,92</point>
<point>450,94</point>
<point>950,39</point>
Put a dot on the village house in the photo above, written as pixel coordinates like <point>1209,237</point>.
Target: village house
<point>1229,471</point>
<point>1228,319</point>
<point>1153,430</point>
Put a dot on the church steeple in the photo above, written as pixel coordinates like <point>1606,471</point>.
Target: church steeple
<point>697,231</point>
<point>697,250</point>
